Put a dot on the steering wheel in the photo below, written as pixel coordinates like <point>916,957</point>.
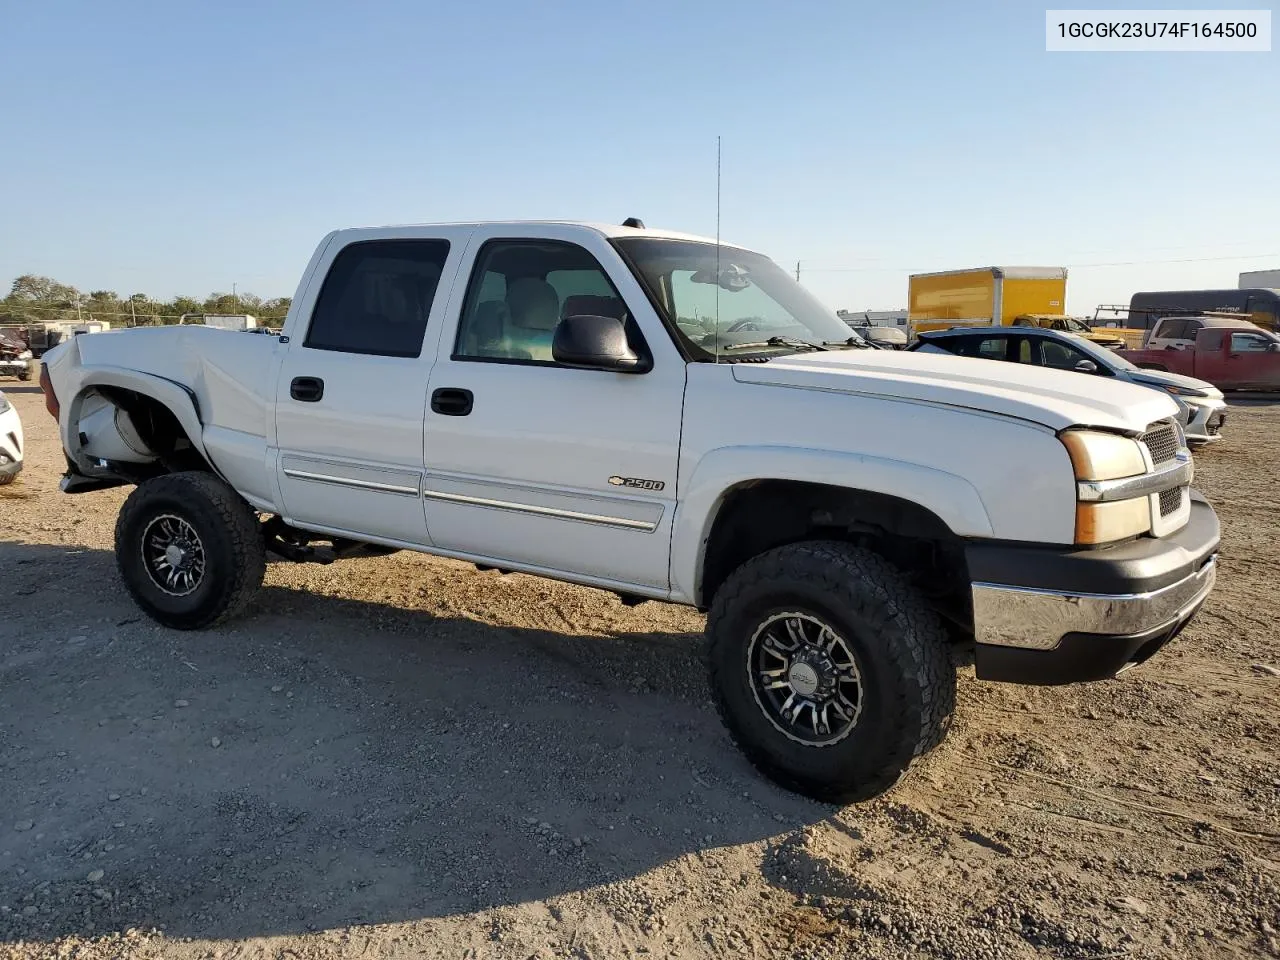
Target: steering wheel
<point>742,325</point>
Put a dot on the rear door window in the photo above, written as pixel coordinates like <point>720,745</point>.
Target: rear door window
<point>1210,341</point>
<point>987,348</point>
<point>377,297</point>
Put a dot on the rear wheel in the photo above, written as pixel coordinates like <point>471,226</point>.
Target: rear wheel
<point>829,670</point>
<point>189,550</point>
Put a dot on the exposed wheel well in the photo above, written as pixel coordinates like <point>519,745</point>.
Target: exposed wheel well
<point>759,515</point>
<point>159,430</point>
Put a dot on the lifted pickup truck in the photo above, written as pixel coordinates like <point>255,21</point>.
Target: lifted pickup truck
<point>1242,357</point>
<point>667,418</point>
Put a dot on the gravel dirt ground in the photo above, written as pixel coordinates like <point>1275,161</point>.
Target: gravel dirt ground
<point>408,757</point>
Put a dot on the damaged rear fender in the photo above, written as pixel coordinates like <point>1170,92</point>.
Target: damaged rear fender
<point>114,417</point>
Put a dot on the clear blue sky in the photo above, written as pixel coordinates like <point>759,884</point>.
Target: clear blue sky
<point>181,147</point>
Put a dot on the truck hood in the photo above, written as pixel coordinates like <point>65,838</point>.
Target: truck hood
<point>1160,378</point>
<point>1056,399</point>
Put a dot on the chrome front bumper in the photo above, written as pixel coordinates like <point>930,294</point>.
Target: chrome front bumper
<point>1053,615</point>
<point>1037,619</point>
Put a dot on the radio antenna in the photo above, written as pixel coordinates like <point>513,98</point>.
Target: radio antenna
<point>717,249</point>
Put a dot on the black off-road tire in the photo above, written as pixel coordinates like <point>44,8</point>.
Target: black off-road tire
<point>899,645</point>
<point>234,558</point>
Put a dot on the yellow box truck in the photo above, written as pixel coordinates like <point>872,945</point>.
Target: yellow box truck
<point>984,296</point>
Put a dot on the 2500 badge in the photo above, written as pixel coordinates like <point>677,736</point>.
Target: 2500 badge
<point>637,483</point>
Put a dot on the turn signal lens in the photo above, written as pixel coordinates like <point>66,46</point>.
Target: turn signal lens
<point>1103,456</point>
<point>1108,522</point>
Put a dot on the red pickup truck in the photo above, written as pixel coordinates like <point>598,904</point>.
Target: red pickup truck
<point>1231,358</point>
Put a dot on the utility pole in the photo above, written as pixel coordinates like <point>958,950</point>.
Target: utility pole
<point>133,314</point>
<point>797,271</point>
<point>235,303</point>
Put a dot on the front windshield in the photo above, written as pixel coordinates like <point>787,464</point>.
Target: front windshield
<point>737,310</point>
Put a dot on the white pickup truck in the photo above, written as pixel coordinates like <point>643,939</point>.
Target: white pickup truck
<point>668,418</point>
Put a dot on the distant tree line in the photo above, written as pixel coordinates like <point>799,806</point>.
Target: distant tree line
<point>33,299</point>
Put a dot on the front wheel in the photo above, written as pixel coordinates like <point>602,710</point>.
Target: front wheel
<point>189,549</point>
<point>829,670</point>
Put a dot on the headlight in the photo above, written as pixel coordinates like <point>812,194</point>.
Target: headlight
<point>5,405</point>
<point>1099,456</point>
<point>1185,391</point>
<point>1103,456</point>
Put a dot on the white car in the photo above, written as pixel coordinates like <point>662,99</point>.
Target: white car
<point>669,418</point>
<point>11,441</point>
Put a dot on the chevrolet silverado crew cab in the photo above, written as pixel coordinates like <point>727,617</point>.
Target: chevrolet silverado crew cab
<point>668,418</point>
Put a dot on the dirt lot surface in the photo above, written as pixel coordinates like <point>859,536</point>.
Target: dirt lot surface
<point>407,757</point>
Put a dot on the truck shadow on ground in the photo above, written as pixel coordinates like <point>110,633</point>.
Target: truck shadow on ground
<point>323,762</point>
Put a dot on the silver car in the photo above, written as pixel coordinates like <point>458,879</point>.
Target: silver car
<point>1206,409</point>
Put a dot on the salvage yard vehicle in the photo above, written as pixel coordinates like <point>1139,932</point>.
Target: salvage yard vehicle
<point>1260,305</point>
<point>36,337</point>
<point>11,442</point>
<point>1179,333</point>
<point>15,358</point>
<point>668,418</point>
<point>1206,408</point>
<point>1239,356</point>
<point>983,296</point>
<point>884,338</point>
<point>1104,338</point>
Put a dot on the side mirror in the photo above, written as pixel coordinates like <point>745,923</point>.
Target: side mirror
<point>1086,366</point>
<point>1273,347</point>
<point>595,343</point>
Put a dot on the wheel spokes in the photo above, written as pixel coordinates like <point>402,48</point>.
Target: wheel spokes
<point>795,632</point>
<point>806,655</point>
<point>173,555</point>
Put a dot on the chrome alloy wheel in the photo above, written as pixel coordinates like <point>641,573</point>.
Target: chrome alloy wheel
<point>173,555</point>
<point>805,678</point>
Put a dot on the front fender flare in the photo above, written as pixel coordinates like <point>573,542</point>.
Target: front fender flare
<point>952,498</point>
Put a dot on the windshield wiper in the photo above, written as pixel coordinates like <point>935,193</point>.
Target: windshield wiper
<point>793,342</point>
<point>851,342</point>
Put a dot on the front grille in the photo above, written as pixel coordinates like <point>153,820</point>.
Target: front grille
<point>1162,443</point>
<point>1170,501</point>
